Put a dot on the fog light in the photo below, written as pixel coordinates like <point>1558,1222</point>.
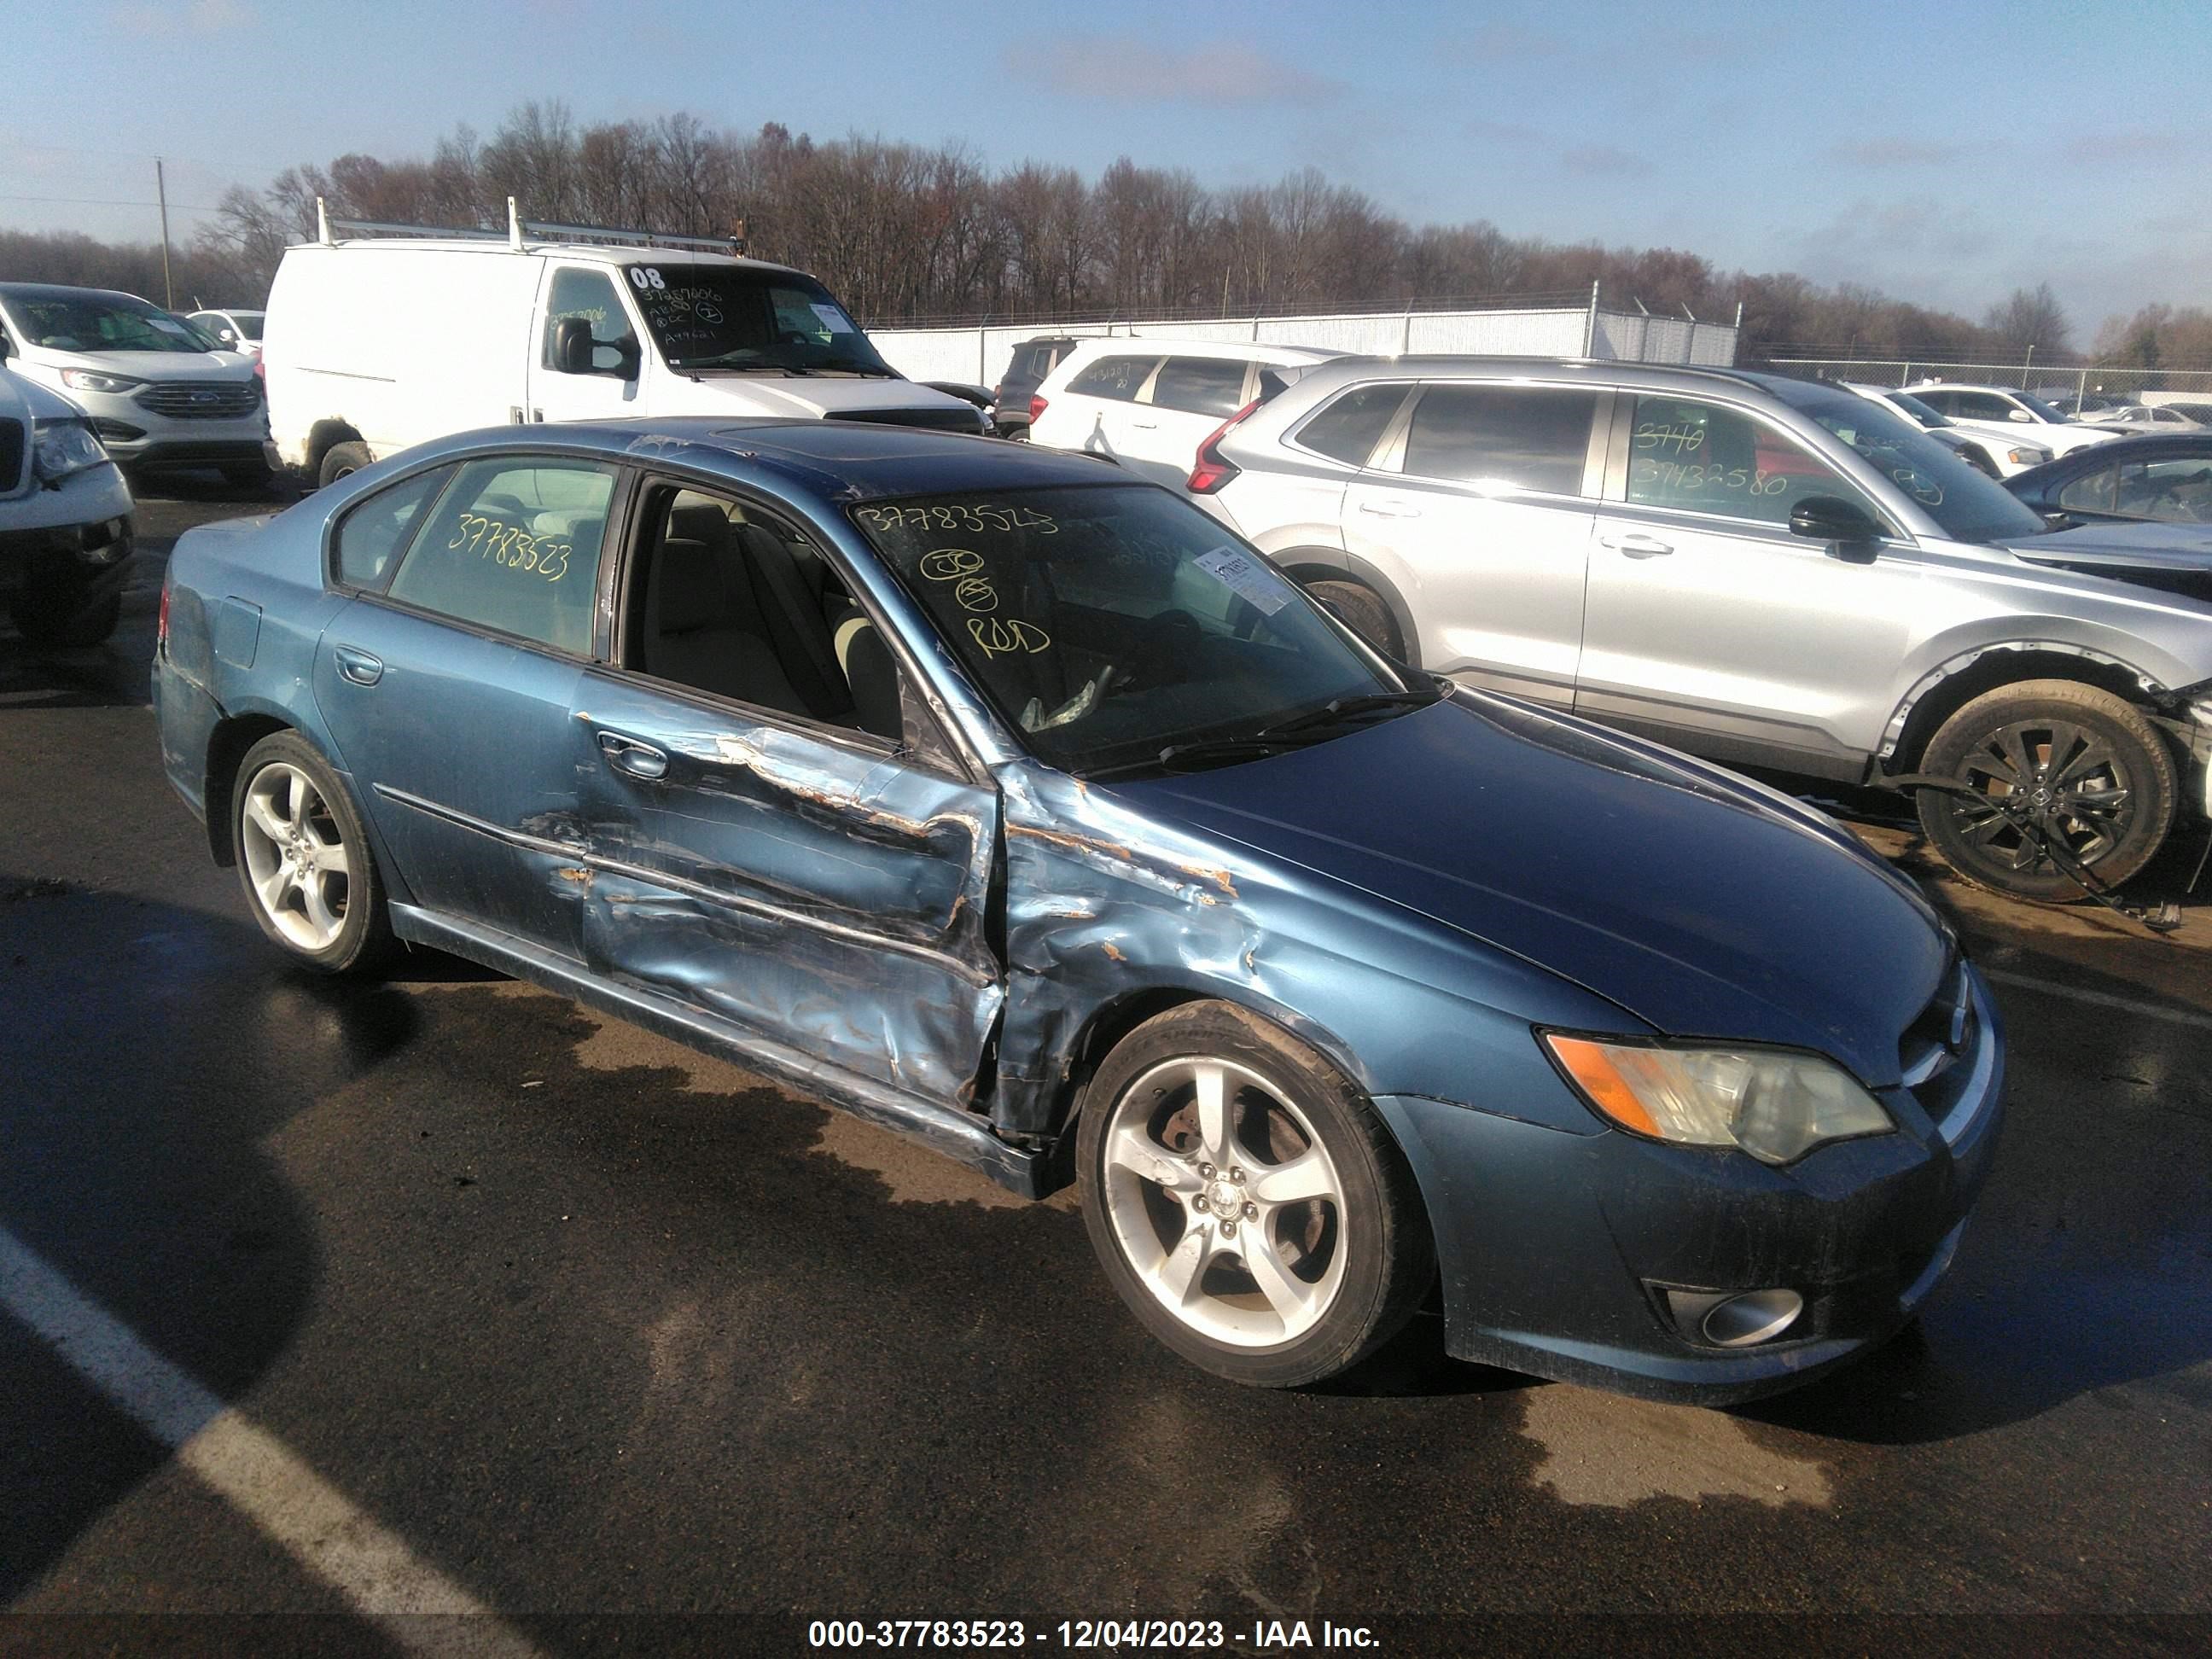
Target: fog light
<point>1739,1321</point>
<point>1733,1319</point>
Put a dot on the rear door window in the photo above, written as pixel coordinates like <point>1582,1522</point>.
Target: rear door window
<point>513,546</point>
<point>371,536</point>
<point>1522,438</point>
<point>1348,429</point>
<point>1201,385</point>
<point>1119,379</point>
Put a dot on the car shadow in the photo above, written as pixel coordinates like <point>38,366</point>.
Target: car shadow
<point>154,1054</point>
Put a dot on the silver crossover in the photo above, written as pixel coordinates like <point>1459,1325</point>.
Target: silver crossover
<point>1761,570</point>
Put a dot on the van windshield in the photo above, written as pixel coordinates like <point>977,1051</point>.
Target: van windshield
<point>710,318</point>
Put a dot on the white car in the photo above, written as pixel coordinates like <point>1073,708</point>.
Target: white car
<point>233,330</point>
<point>1148,404</point>
<point>2007,413</point>
<point>1999,457</point>
<point>64,520</point>
<point>2136,419</point>
<point>156,395</point>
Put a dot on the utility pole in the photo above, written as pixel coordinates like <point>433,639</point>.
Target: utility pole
<point>162,192</point>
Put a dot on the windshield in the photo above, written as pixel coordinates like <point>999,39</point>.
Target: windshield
<point>1968,505</point>
<point>1111,623</point>
<point>62,320</point>
<point>705,317</point>
<point>1927,413</point>
<point>2043,411</point>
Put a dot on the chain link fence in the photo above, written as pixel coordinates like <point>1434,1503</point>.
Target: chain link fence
<point>2076,380</point>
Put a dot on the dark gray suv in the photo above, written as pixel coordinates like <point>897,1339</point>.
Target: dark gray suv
<point>1025,371</point>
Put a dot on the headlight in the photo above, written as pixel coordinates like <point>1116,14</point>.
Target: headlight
<point>89,379</point>
<point>2027,456</point>
<point>1772,1104</point>
<point>64,447</point>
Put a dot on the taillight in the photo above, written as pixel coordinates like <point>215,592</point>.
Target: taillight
<point>1036,408</point>
<point>161,623</point>
<point>1212,472</point>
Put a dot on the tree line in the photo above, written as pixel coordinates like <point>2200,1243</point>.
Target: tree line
<point>903,232</point>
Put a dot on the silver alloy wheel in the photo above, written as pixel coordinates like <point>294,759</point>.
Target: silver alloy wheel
<point>1224,1202</point>
<point>295,857</point>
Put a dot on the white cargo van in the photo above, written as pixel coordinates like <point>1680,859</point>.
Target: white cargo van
<point>376,341</point>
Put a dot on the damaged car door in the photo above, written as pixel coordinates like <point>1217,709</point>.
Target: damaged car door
<point>762,841</point>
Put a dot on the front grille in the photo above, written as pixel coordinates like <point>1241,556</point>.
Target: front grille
<point>932,420</point>
<point>1937,1048</point>
<point>11,456</point>
<point>201,400</point>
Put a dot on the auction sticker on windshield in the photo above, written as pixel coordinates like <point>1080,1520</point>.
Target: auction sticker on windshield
<point>1248,580</point>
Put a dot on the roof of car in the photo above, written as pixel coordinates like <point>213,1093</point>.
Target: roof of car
<point>1158,345</point>
<point>1657,377</point>
<point>2150,447</point>
<point>835,462</point>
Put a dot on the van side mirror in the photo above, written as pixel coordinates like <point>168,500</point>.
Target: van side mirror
<point>571,346</point>
<point>1831,519</point>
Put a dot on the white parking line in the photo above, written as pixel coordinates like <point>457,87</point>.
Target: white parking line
<point>312,1522</point>
<point>2100,999</point>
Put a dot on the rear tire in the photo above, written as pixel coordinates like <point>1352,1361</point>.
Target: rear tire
<point>2106,776</point>
<point>339,460</point>
<point>1361,608</point>
<point>304,858</point>
<point>1245,1201</point>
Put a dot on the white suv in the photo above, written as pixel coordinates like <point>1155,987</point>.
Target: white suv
<point>1150,404</point>
<point>155,392</point>
<point>2005,412</point>
<point>64,520</point>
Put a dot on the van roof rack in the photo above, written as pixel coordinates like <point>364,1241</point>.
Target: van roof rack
<point>518,228</point>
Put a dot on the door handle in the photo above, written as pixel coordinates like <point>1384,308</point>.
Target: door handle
<point>1145,425</point>
<point>358,666</point>
<point>1639,547</point>
<point>639,760</point>
<point>1388,509</point>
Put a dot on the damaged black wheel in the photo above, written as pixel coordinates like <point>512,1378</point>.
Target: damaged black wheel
<point>2051,764</point>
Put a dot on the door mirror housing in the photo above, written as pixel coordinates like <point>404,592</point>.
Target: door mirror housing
<point>571,346</point>
<point>2021,416</point>
<point>1831,519</point>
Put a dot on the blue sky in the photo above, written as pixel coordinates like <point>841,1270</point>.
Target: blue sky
<point>1944,151</point>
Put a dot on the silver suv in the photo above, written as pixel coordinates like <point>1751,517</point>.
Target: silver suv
<point>1761,570</point>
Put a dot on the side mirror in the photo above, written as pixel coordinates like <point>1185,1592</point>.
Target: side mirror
<point>571,346</point>
<point>2021,416</point>
<point>1830,519</point>
<point>622,357</point>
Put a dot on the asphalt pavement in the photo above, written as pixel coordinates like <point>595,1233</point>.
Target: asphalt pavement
<point>563,1338</point>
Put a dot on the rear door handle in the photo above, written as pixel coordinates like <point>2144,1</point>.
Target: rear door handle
<point>1390,509</point>
<point>1639,547</point>
<point>358,666</point>
<point>639,760</point>
<point>1145,425</point>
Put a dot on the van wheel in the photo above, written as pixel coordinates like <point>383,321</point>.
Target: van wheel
<point>1245,1201</point>
<point>341,459</point>
<point>1361,608</point>
<point>2097,780</point>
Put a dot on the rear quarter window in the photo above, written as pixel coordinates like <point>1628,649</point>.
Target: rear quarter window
<point>1348,429</point>
<point>1201,385</point>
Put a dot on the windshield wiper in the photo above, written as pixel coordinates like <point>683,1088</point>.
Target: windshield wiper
<point>1225,751</point>
<point>1339,709</point>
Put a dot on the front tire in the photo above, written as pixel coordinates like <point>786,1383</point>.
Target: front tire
<point>1360,608</point>
<point>1245,1201</point>
<point>304,858</point>
<point>2098,778</point>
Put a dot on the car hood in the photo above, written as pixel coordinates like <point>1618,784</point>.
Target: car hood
<point>805,396</point>
<point>1702,904</point>
<point>2113,548</point>
<point>155,364</point>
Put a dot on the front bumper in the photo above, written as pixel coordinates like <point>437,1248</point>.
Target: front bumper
<point>1558,1251</point>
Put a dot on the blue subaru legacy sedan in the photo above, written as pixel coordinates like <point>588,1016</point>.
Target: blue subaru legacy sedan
<point>1021,808</point>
